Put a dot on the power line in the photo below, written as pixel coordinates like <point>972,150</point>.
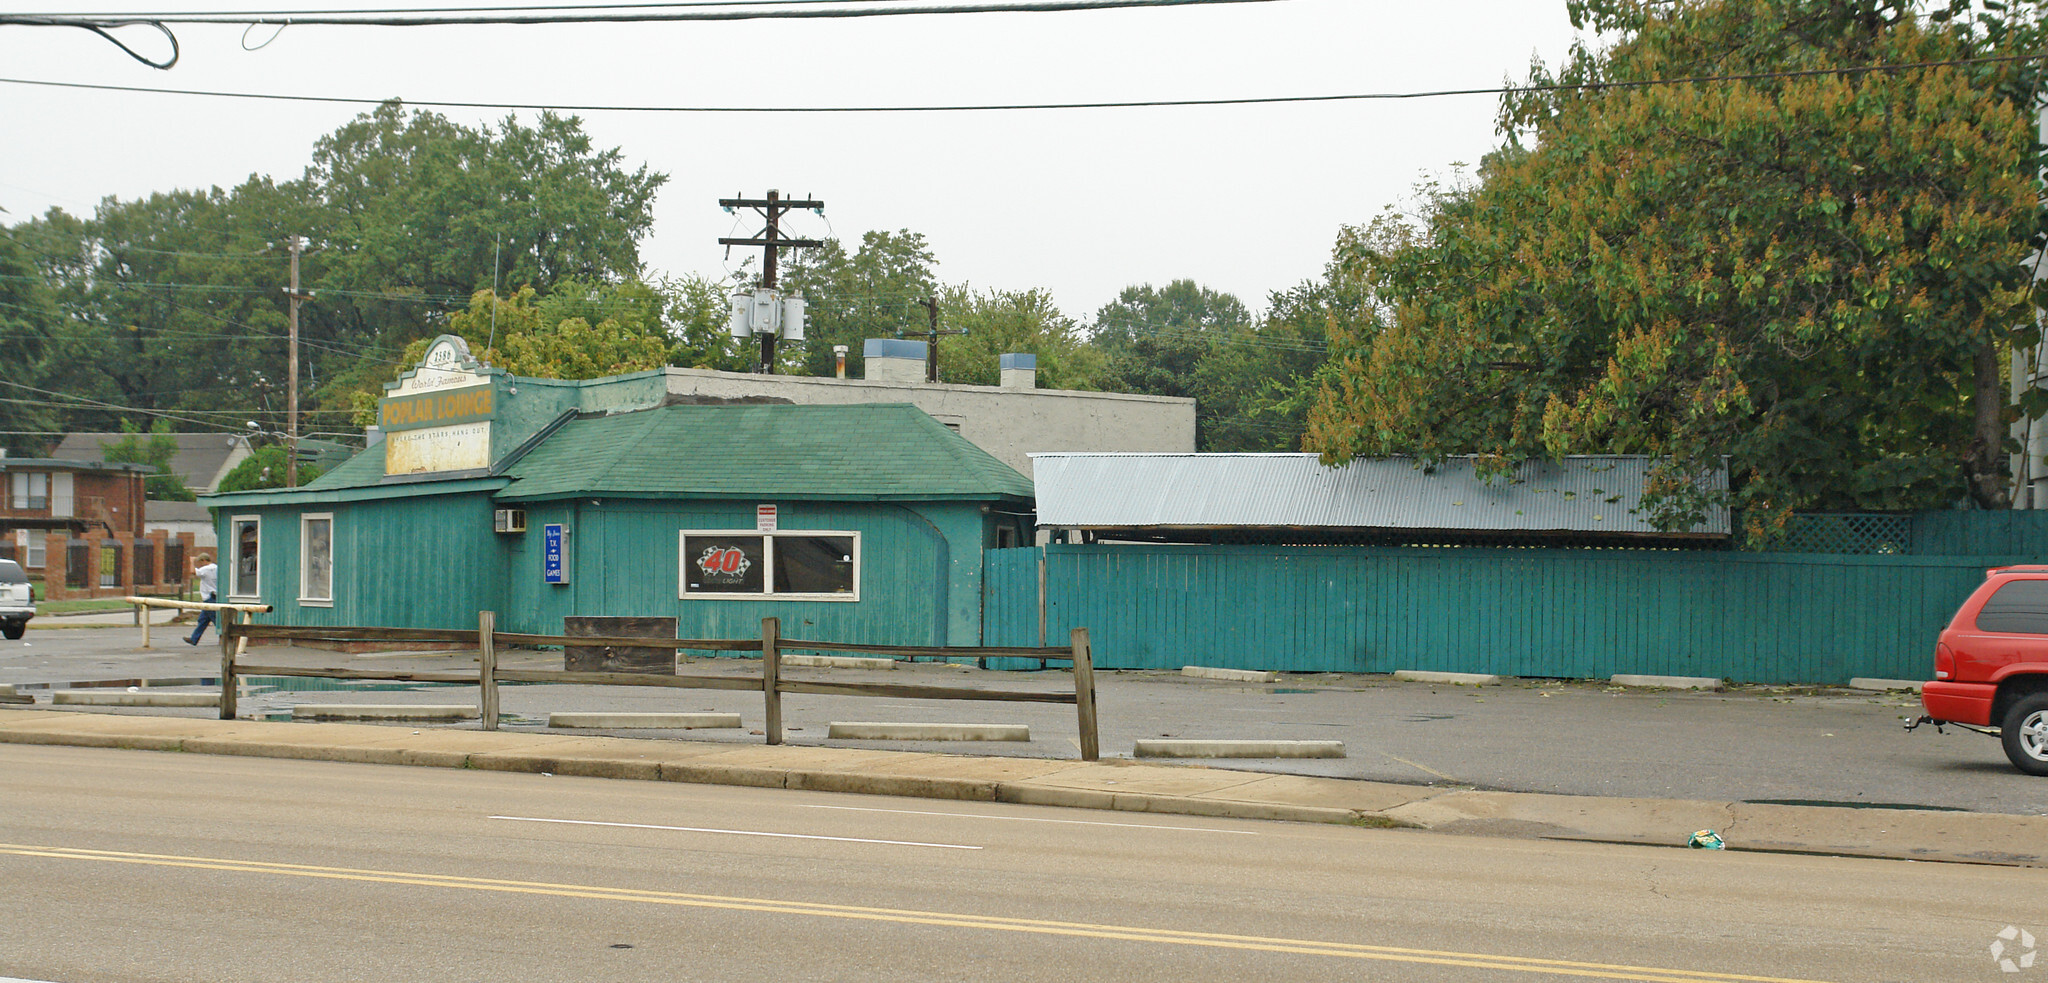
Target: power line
<point>90,403</point>
<point>632,14</point>
<point>99,246</point>
<point>1502,90</point>
<point>269,15</point>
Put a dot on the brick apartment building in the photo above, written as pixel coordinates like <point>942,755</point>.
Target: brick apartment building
<point>80,526</point>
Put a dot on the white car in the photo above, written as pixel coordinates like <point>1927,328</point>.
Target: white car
<point>17,599</point>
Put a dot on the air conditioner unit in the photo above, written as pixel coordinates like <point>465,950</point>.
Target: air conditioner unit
<point>511,520</point>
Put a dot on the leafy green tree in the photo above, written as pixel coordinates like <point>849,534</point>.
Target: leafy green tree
<point>175,300</point>
<point>264,468</point>
<point>877,292</point>
<point>1814,275</point>
<point>696,314</point>
<point>32,326</point>
<point>155,448</point>
<point>1000,322</point>
<point>1156,341</point>
<point>419,212</point>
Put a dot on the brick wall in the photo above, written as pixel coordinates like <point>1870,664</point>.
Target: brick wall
<point>153,577</point>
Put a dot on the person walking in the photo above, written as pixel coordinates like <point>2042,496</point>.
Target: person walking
<point>209,588</point>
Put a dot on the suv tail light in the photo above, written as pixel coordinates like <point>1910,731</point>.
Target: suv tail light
<point>1944,661</point>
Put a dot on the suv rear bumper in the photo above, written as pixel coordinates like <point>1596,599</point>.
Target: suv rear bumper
<point>1963,703</point>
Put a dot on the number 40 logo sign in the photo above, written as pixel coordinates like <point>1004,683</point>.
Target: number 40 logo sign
<point>724,563</point>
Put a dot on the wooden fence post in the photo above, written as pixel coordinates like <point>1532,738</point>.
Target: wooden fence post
<point>487,669</point>
<point>1084,696</point>
<point>227,663</point>
<point>771,677</point>
<point>142,613</point>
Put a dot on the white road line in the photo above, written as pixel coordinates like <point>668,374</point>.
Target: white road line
<point>1031,819</point>
<point>731,832</point>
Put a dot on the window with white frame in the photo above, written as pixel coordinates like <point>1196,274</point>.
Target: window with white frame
<point>31,490</point>
<point>316,559</point>
<point>245,539</point>
<point>819,565</point>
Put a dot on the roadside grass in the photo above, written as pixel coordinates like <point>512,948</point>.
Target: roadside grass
<point>75,607</point>
<point>86,604</point>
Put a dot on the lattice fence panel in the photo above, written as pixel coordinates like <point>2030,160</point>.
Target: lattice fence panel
<point>1842,532</point>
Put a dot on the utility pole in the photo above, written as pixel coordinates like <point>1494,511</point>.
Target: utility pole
<point>931,347</point>
<point>291,426</point>
<point>770,241</point>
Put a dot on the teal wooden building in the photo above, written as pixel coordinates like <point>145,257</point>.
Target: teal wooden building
<point>541,499</point>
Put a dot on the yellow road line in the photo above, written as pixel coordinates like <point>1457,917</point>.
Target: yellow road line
<point>1556,967</point>
<point>1418,767</point>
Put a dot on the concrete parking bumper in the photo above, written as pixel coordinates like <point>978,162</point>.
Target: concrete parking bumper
<point>142,698</point>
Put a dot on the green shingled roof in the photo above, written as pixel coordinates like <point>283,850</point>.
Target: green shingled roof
<point>366,468</point>
<point>858,452</point>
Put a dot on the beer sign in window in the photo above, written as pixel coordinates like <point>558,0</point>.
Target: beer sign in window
<point>794,564</point>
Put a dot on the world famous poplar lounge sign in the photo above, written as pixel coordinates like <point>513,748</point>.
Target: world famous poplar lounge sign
<point>437,417</point>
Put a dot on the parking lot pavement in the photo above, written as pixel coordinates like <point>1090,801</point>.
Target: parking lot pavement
<point>1754,744</point>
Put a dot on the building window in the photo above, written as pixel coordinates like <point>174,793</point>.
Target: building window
<point>805,565</point>
<point>37,555</point>
<point>31,490</point>
<point>245,536</point>
<point>316,559</point>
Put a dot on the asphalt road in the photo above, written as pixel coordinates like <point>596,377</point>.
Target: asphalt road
<point>141,866</point>
<point>1584,738</point>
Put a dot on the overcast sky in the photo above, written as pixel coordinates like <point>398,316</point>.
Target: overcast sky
<point>1245,199</point>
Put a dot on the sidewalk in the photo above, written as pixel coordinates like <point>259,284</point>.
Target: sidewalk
<point>1904,834</point>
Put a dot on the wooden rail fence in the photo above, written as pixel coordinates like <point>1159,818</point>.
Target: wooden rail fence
<point>235,636</point>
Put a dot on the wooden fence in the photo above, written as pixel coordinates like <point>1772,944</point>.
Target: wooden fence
<point>1774,618</point>
<point>235,638</point>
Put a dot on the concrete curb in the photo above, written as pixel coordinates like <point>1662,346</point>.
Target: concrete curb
<point>1237,749</point>
<point>1454,678</point>
<point>1886,685</point>
<point>1122,786</point>
<point>1666,682</point>
<point>861,730</point>
<point>1234,675</point>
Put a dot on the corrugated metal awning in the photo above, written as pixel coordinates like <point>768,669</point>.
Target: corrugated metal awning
<point>1592,494</point>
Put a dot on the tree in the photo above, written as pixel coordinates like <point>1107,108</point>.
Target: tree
<point>156,448</point>
<point>175,300</point>
<point>1814,275</point>
<point>877,292</point>
<point>697,311</point>
<point>1156,341</point>
<point>1000,322</point>
<point>171,308</point>
<point>264,468</point>
<point>418,213</point>
<point>31,329</point>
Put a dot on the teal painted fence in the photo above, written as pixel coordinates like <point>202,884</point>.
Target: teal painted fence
<point>1011,614</point>
<point>1576,613</point>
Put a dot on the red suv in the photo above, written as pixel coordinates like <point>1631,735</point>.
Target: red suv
<point>1991,665</point>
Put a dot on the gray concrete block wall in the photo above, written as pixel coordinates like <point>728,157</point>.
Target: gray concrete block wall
<point>1009,423</point>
